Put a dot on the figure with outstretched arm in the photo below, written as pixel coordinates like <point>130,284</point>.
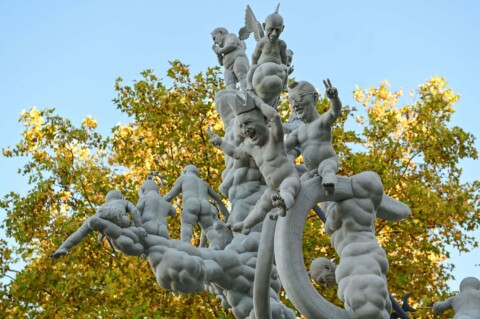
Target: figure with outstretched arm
<point>111,220</point>
<point>466,304</point>
<point>263,129</point>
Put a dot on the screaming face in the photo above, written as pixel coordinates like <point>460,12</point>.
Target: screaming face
<point>252,125</point>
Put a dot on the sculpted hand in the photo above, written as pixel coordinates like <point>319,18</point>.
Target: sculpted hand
<point>58,253</point>
<point>330,92</point>
<point>216,49</point>
<point>290,69</point>
<point>214,138</point>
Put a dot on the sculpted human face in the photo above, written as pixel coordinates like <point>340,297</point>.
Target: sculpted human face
<point>252,125</point>
<point>273,28</point>
<point>304,104</point>
<point>219,39</point>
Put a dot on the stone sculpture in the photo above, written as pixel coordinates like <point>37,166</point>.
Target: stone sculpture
<point>351,212</point>
<point>266,147</point>
<point>322,270</point>
<point>269,202</point>
<point>111,220</point>
<point>314,138</point>
<point>230,51</point>
<point>269,48</point>
<point>361,273</point>
<point>268,74</point>
<point>290,61</point>
<point>154,209</point>
<point>196,207</point>
<point>181,267</point>
<point>466,304</point>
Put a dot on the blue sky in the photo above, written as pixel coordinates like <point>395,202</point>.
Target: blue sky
<point>66,55</point>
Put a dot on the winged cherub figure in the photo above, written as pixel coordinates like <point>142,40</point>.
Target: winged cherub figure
<point>269,48</point>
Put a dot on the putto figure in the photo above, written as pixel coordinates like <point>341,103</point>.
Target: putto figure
<point>196,207</point>
<point>231,54</point>
<point>263,128</point>
<point>154,209</point>
<point>466,304</point>
<point>269,48</point>
<point>111,220</point>
<point>314,138</point>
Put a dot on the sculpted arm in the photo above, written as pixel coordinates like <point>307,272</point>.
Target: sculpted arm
<point>231,44</point>
<point>272,116</point>
<point>176,189</point>
<point>292,141</point>
<point>442,306</point>
<point>335,104</point>
<point>136,216</point>
<point>257,53</point>
<point>283,52</point>
<point>229,149</point>
<point>218,199</point>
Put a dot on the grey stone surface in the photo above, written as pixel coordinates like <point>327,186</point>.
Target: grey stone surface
<point>268,74</point>
<point>314,138</point>
<point>262,126</point>
<point>154,209</point>
<point>196,207</point>
<point>466,304</point>
<point>263,184</point>
<point>230,51</point>
<point>111,220</point>
<point>322,270</point>
<point>352,235</point>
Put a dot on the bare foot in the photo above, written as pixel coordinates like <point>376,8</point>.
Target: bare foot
<point>329,181</point>
<point>278,202</point>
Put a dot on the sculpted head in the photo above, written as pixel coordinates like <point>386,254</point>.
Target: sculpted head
<point>303,98</point>
<point>113,195</point>
<point>322,270</point>
<point>289,57</point>
<point>219,35</point>
<point>148,186</point>
<point>190,169</point>
<point>250,120</point>
<point>273,26</point>
<point>470,283</point>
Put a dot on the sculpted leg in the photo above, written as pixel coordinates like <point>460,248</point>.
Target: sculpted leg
<point>257,214</point>
<point>288,191</point>
<point>189,218</point>
<point>327,170</point>
<point>240,69</point>
<point>250,77</point>
<point>108,228</point>
<point>230,79</point>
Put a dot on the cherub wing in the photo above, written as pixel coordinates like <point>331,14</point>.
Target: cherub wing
<point>251,25</point>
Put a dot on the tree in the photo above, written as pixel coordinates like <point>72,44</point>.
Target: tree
<point>71,168</point>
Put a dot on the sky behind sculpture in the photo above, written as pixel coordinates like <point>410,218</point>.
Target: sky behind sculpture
<point>67,55</point>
